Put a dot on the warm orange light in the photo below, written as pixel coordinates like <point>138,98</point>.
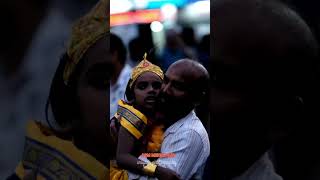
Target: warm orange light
<point>142,16</point>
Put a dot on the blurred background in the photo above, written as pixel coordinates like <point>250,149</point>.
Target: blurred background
<point>34,34</point>
<point>166,29</point>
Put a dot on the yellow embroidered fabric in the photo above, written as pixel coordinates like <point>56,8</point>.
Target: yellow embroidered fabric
<point>136,123</point>
<point>145,66</point>
<point>85,32</point>
<point>57,158</point>
<point>132,119</point>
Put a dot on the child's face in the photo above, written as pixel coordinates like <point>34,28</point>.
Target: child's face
<point>146,90</point>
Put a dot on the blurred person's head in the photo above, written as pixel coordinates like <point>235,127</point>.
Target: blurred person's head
<point>204,50</point>
<point>136,49</point>
<point>173,40</point>
<point>185,84</point>
<point>79,90</point>
<point>263,56</point>
<point>204,44</point>
<point>144,86</point>
<point>118,56</point>
<point>188,36</point>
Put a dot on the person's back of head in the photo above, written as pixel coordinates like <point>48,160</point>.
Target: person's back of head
<point>263,32</point>
<point>188,36</point>
<point>117,46</point>
<point>268,43</point>
<point>136,49</point>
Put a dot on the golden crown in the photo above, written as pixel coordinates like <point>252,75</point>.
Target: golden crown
<point>145,66</point>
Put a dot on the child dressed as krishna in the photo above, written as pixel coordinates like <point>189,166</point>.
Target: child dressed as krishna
<point>134,129</point>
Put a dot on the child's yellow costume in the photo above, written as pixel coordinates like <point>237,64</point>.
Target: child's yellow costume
<point>136,122</point>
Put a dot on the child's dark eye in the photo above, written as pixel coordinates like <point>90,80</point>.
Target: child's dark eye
<point>142,85</point>
<point>98,76</point>
<point>98,80</point>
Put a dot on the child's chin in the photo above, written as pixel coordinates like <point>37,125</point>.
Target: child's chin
<point>150,106</point>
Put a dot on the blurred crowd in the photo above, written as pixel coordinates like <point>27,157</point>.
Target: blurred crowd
<point>179,45</point>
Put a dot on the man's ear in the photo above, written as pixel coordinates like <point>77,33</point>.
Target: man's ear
<point>200,97</point>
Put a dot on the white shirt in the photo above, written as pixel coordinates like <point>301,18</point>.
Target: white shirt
<point>189,141</point>
<point>117,90</point>
<point>262,169</point>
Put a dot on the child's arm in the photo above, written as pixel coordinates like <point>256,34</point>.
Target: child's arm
<point>124,149</point>
<point>130,162</point>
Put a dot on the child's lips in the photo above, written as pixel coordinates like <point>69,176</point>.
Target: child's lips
<point>150,100</point>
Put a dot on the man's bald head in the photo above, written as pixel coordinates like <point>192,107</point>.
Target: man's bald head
<point>185,84</point>
<point>193,72</point>
<point>266,37</point>
<point>263,56</point>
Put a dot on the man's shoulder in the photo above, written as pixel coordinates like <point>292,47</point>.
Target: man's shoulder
<point>193,123</point>
<point>193,126</point>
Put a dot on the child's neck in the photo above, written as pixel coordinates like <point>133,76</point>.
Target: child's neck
<point>149,113</point>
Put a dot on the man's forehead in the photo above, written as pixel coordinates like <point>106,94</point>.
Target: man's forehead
<point>180,73</point>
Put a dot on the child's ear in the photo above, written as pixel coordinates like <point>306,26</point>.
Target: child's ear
<point>129,95</point>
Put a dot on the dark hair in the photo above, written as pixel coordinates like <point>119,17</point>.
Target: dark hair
<point>117,45</point>
<point>137,49</point>
<point>129,94</point>
<point>188,36</point>
<point>63,98</point>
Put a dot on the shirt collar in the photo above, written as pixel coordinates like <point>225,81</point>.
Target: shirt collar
<point>174,127</point>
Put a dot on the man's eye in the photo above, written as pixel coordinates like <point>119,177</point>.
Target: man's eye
<point>178,86</point>
<point>98,80</point>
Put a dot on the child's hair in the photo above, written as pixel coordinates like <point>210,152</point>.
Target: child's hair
<point>63,98</point>
<point>129,93</point>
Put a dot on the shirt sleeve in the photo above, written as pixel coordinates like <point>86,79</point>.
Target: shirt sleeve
<point>187,149</point>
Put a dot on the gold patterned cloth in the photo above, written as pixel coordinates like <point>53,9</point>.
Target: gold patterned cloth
<point>131,119</point>
<point>85,33</point>
<point>51,157</point>
<point>138,125</point>
<point>145,66</point>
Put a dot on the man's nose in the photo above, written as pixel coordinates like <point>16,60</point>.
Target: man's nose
<point>165,88</point>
